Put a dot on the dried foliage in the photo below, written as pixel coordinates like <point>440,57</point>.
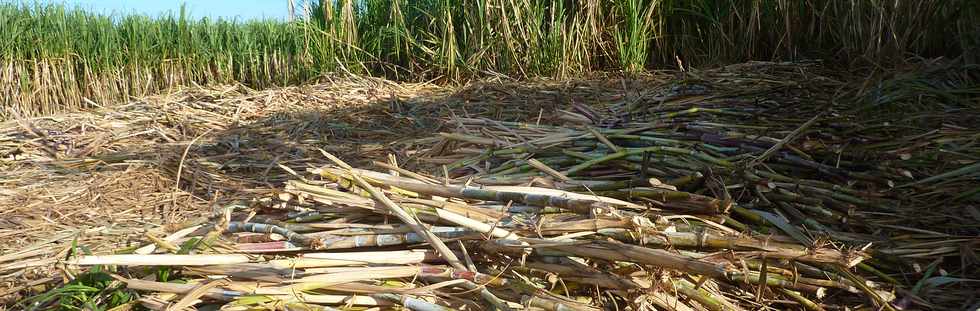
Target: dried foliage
<point>778,185</point>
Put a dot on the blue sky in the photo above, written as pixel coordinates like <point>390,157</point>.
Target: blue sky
<point>242,9</point>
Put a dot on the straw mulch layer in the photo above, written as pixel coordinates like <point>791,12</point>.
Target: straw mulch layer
<point>759,185</point>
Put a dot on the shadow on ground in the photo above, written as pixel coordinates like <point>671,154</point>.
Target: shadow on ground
<point>369,122</point>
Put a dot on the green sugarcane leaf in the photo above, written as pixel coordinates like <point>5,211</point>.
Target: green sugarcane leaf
<point>945,280</point>
<point>969,169</point>
<point>785,226</point>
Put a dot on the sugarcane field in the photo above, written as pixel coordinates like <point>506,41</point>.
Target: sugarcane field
<point>492,155</point>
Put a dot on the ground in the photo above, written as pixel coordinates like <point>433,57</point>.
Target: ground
<point>105,177</point>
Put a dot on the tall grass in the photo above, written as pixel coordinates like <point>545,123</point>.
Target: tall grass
<point>56,59</point>
<point>53,57</point>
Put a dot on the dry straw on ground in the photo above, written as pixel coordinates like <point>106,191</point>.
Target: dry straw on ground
<point>749,186</point>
